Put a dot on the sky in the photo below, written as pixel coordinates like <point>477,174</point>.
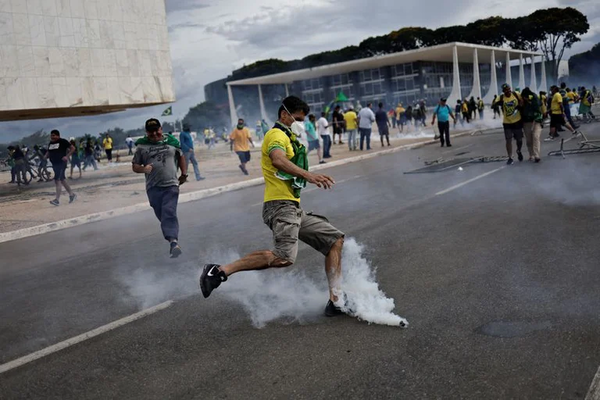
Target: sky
<point>210,38</point>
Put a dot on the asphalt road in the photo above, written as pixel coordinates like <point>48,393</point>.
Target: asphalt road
<point>498,278</point>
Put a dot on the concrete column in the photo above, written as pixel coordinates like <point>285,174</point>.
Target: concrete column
<point>456,92</point>
<point>232,110</point>
<point>476,91</point>
<point>263,112</point>
<point>521,73</point>
<point>533,83</point>
<point>489,97</point>
<point>543,84</point>
<point>508,73</point>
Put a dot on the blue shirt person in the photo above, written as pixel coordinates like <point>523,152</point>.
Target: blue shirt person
<point>187,147</point>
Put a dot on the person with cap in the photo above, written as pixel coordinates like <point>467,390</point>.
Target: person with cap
<point>284,165</point>
<point>512,103</point>
<point>158,156</point>
<point>187,147</point>
<point>443,112</point>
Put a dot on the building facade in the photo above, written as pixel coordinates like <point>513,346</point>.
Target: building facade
<point>81,57</point>
<point>453,70</point>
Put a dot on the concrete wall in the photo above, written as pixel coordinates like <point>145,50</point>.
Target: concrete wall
<point>82,56</point>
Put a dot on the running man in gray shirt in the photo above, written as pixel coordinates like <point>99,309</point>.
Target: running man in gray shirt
<point>158,156</point>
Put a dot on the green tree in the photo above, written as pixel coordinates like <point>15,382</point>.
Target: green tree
<point>205,115</point>
<point>557,29</point>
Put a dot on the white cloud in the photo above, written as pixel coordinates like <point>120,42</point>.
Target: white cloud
<point>210,38</point>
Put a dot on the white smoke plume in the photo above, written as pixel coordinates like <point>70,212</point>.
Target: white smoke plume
<point>292,295</point>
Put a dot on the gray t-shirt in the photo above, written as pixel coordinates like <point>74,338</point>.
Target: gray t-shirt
<point>163,159</point>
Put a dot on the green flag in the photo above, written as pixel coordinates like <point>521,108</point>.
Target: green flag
<point>341,97</point>
<point>167,112</point>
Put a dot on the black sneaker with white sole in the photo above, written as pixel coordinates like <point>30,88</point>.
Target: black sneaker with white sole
<point>211,278</point>
<point>510,161</point>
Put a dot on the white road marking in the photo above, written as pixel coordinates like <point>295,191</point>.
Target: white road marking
<point>594,392</point>
<point>83,337</point>
<point>469,181</point>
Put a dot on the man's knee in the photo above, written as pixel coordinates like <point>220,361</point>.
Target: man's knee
<point>338,245</point>
<point>279,261</point>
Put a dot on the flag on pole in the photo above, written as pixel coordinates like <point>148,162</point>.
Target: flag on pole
<point>168,112</point>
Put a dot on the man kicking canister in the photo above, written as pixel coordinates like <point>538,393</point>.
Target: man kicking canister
<point>285,170</point>
<point>158,157</point>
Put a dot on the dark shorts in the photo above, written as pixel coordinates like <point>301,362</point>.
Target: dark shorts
<point>244,156</point>
<point>75,161</point>
<point>290,223</point>
<point>556,120</point>
<point>513,131</point>
<point>338,129</point>
<point>59,171</point>
<point>313,145</point>
<point>383,130</point>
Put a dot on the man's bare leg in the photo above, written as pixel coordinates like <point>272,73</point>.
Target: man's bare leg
<point>67,187</point>
<point>58,190</point>
<point>258,260</point>
<point>509,148</point>
<point>333,269</point>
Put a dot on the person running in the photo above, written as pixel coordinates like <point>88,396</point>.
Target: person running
<point>383,125</point>
<point>157,156</point>
<point>129,142</point>
<point>366,117</point>
<point>557,115</point>
<point>75,160</point>
<point>351,120</point>
<point>480,107</point>
<point>443,112</point>
<point>59,151</point>
<point>566,106</point>
<point>313,138</point>
<point>88,156</point>
<point>423,108</point>
<point>285,170</point>
<point>187,147</point>
<point>323,131</point>
<point>585,105</point>
<point>466,113</point>
<point>496,107</point>
<point>458,113</point>
<point>240,141</point>
<point>107,143</point>
<point>511,104</point>
<point>337,119</point>
<point>532,123</point>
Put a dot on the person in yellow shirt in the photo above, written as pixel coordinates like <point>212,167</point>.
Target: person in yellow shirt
<point>285,170</point>
<point>351,127</point>
<point>240,141</point>
<point>400,117</point>
<point>512,103</point>
<point>107,143</point>
<point>557,115</point>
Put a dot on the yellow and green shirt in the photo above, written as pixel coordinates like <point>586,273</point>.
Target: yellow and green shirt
<point>510,106</point>
<point>275,188</point>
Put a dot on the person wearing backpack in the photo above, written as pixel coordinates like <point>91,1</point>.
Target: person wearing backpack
<point>443,112</point>
<point>585,107</point>
<point>480,107</point>
<point>532,123</point>
<point>512,104</point>
<point>457,112</point>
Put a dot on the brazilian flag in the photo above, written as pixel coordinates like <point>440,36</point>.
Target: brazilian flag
<point>168,112</point>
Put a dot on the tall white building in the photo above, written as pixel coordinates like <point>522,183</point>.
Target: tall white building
<point>82,57</point>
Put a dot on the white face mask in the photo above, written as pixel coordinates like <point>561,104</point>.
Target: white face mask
<point>298,128</point>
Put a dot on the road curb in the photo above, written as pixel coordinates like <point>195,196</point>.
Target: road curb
<point>188,197</point>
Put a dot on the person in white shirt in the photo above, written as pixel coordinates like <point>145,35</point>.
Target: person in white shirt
<point>129,142</point>
<point>366,117</point>
<point>323,130</point>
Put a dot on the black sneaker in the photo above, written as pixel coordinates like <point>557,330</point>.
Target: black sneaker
<point>520,156</point>
<point>449,145</point>
<point>55,202</point>
<point>510,161</point>
<point>211,279</point>
<point>72,198</point>
<point>175,250</point>
<point>537,160</point>
<point>331,310</point>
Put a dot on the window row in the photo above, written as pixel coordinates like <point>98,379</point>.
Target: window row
<point>312,84</point>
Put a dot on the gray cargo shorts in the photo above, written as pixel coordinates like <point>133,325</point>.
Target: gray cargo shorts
<point>289,223</point>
